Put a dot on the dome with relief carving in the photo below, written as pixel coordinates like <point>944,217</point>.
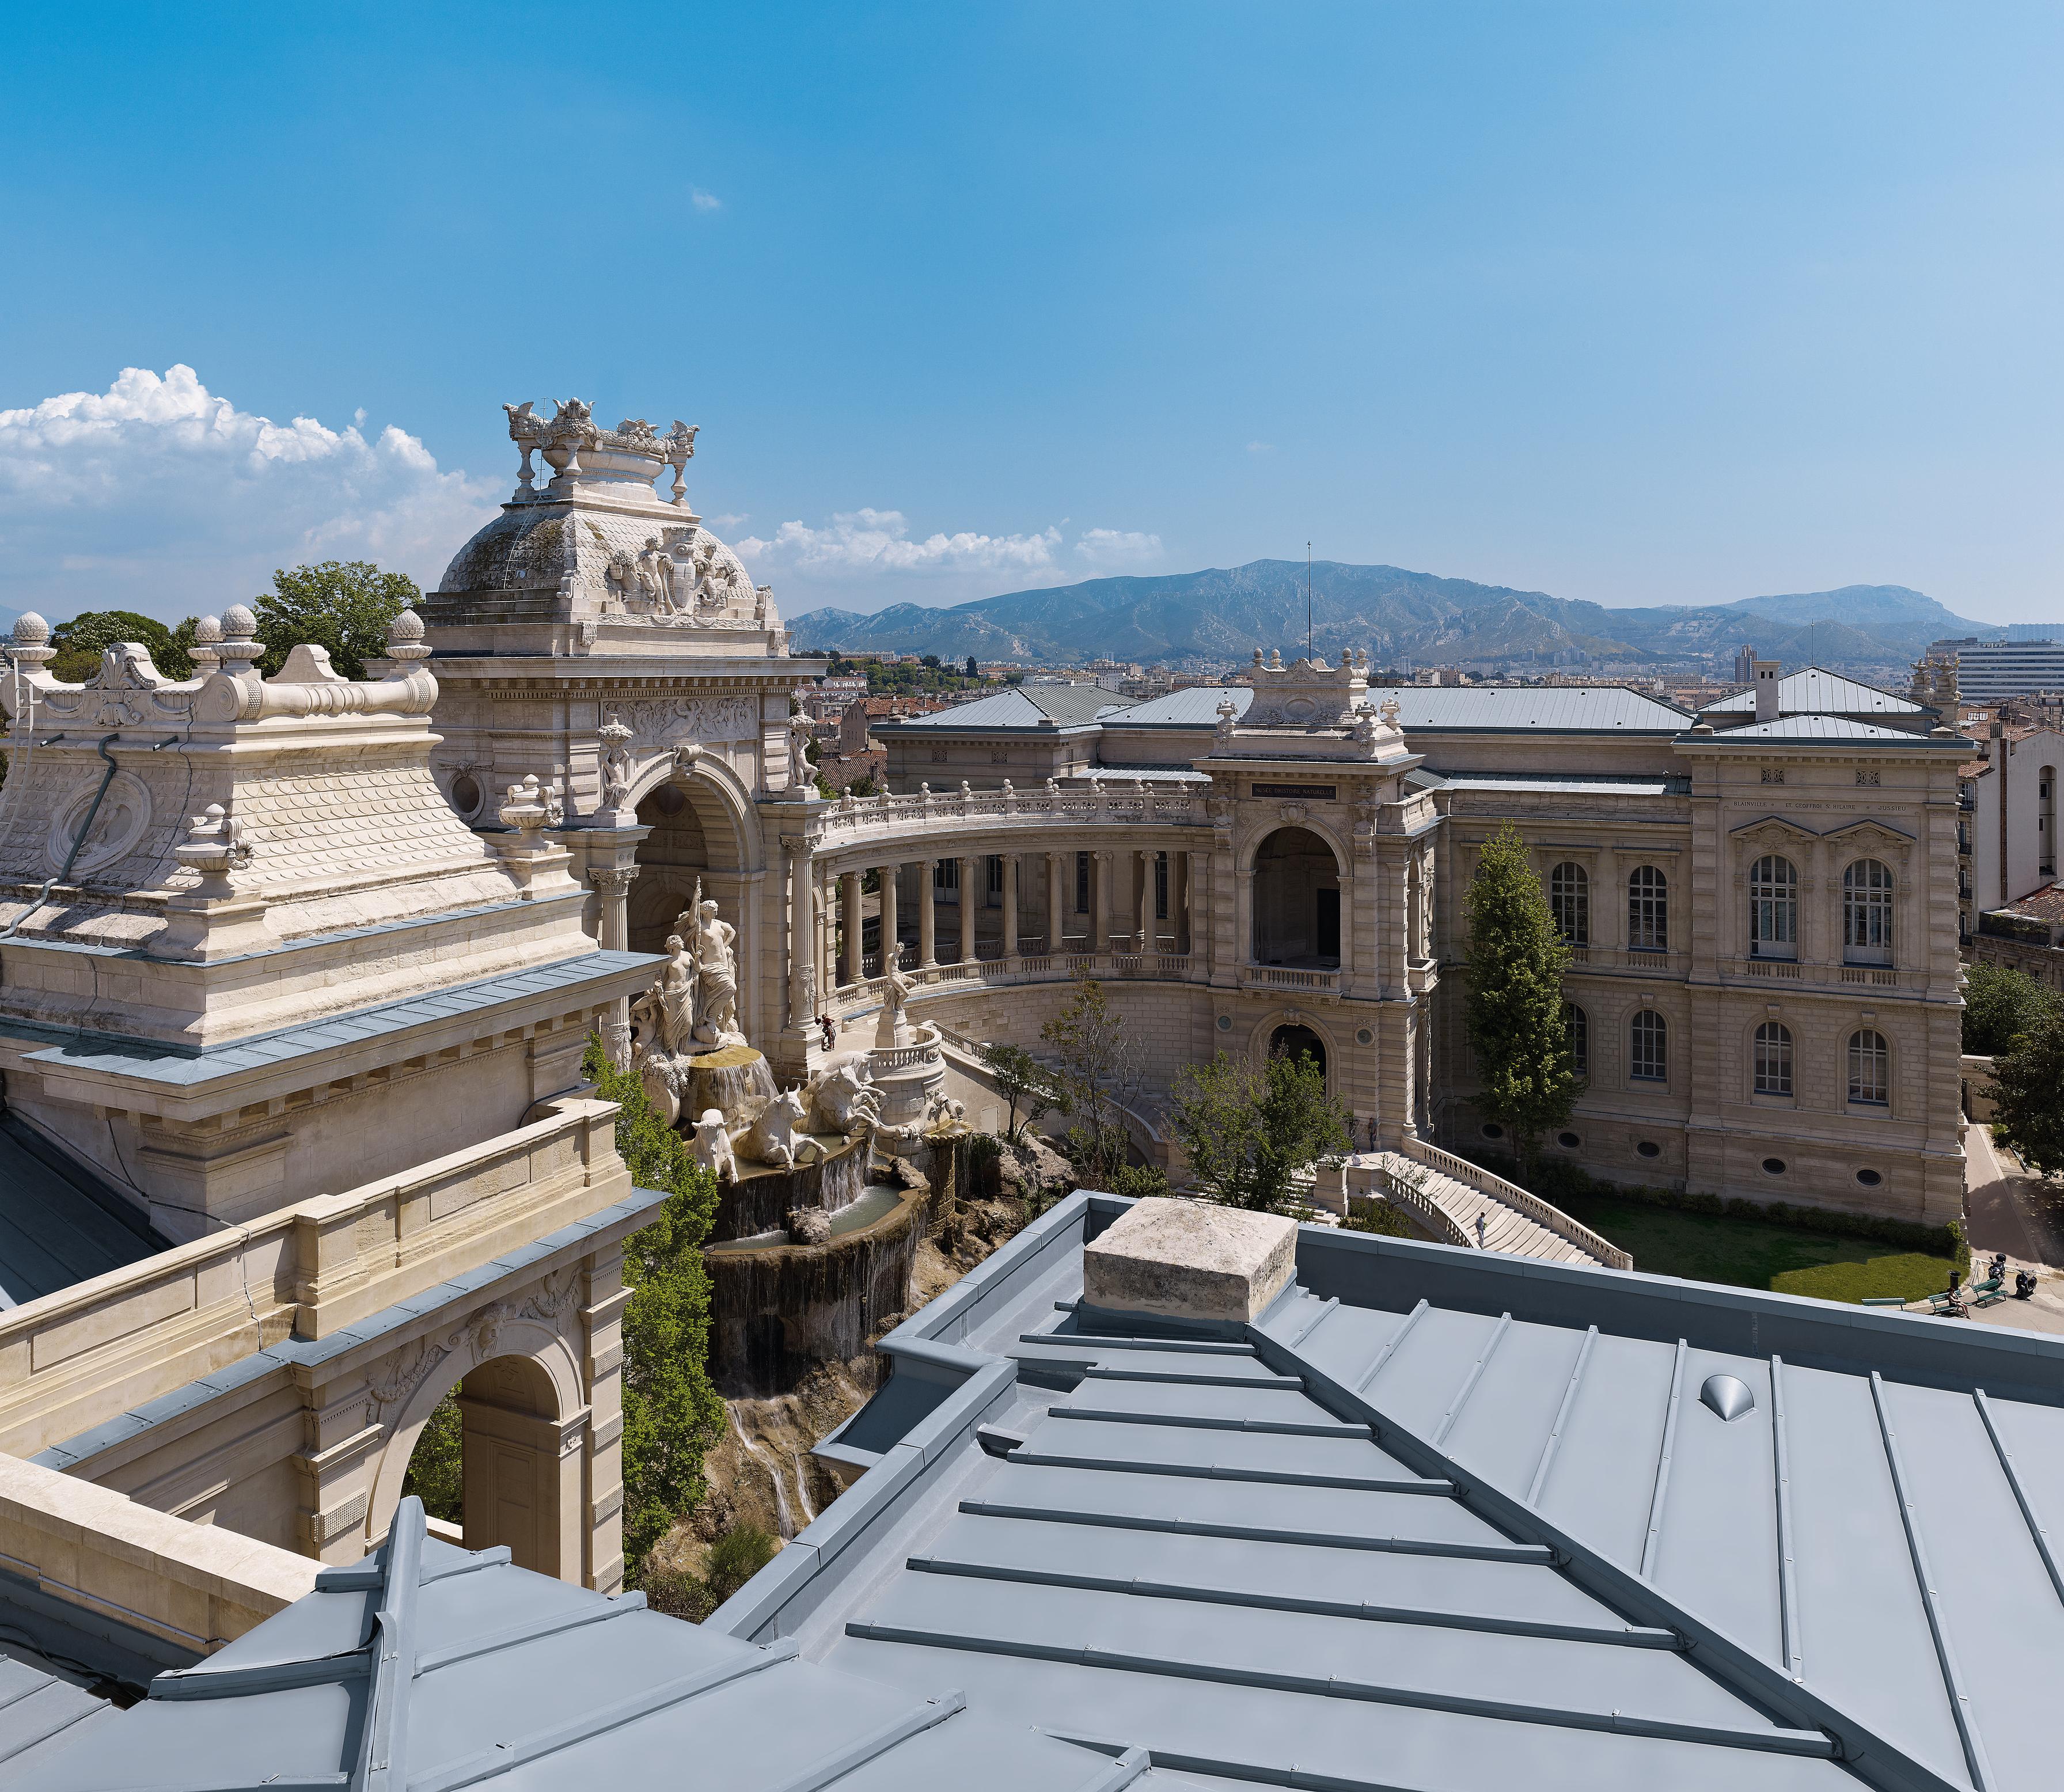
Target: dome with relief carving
<point>598,530</point>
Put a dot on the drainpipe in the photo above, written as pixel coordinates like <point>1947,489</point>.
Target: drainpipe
<point>78,840</point>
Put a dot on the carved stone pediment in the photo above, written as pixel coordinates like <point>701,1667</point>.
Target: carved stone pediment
<point>1774,831</point>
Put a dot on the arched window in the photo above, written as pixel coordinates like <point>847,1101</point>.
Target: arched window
<point>1648,910</point>
<point>1870,1069</point>
<point>1773,1059</point>
<point>1576,1031</point>
<point>1867,913</point>
<point>1569,899</point>
<point>1773,909</point>
<point>1649,1060</point>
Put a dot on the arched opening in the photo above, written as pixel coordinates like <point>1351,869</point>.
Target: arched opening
<point>493,1460</point>
<point>1299,1041</point>
<point>1297,901</point>
<point>670,859</point>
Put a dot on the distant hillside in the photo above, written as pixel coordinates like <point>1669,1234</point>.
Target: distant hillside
<point>1223,614</point>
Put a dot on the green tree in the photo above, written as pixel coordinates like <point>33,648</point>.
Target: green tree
<point>971,671</point>
<point>2028,1090</point>
<point>1526,1075</point>
<point>436,1474</point>
<point>1246,1129</point>
<point>1023,1081</point>
<point>1096,1065</point>
<point>2000,1002</point>
<point>80,642</point>
<point>671,1412</point>
<point>345,606</point>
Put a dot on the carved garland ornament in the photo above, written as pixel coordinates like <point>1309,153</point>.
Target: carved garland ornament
<point>397,1383</point>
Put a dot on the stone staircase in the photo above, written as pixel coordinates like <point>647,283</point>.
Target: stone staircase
<point>1447,1195</point>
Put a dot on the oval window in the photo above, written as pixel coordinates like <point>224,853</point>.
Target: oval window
<point>1869,1179</point>
<point>1568,1141</point>
<point>1648,1147</point>
<point>1364,1036</point>
<point>1773,1166</point>
<point>465,794</point>
<point>1492,1129</point>
<point>1225,1022</point>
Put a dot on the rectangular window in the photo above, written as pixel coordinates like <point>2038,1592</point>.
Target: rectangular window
<point>1082,883</point>
<point>1160,886</point>
<point>1869,777</point>
<point>1773,775</point>
<point>946,878</point>
<point>995,883</point>
<point>938,756</point>
<point>1649,1039</point>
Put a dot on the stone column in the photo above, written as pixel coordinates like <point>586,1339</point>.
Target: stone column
<point>802,934</point>
<point>970,875</point>
<point>927,921</point>
<point>849,886</point>
<point>613,887</point>
<point>1100,902</point>
<point>1056,913</point>
<point>825,945</point>
<point>1346,880</point>
<point>1011,905</point>
<point>1242,915</point>
<point>1192,863</point>
<point>1142,936</point>
<point>889,948</point>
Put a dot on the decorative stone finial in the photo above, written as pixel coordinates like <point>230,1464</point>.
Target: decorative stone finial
<point>215,847</point>
<point>1388,710</point>
<point>525,808</point>
<point>207,637</point>
<point>405,637</point>
<point>239,650</point>
<point>30,630</point>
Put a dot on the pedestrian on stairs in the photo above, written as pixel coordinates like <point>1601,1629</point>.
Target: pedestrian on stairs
<point>1481,1229</point>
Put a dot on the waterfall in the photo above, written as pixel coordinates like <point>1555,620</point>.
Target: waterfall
<point>802,1486</point>
<point>766,1461</point>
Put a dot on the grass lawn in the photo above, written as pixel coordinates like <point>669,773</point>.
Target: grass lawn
<point>1712,1248</point>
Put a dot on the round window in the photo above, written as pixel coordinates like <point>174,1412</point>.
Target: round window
<point>1773,1166</point>
<point>1225,1022</point>
<point>1869,1179</point>
<point>1648,1147</point>
<point>1492,1129</point>
<point>465,794</point>
<point>1568,1141</point>
<point>1364,1036</point>
<point>669,800</point>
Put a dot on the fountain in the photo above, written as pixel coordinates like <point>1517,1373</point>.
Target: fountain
<point>822,1204</point>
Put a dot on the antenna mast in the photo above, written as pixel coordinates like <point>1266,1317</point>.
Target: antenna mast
<point>1308,600</point>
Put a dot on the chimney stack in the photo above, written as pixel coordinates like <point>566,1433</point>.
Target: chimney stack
<point>1767,708</point>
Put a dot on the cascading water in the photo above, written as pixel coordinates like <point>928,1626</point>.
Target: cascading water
<point>788,1518</point>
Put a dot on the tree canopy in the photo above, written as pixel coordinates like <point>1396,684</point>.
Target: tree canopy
<point>343,605</point>
<point>1096,1064</point>
<point>1246,1129</point>
<point>2000,1002</point>
<point>80,642</point>
<point>2028,1090</point>
<point>1526,1075</point>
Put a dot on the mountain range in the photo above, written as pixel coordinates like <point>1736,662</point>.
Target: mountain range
<point>1220,616</point>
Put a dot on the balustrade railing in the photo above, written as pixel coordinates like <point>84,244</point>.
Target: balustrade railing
<point>857,816</point>
<point>1511,1195</point>
<point>1284,976</point>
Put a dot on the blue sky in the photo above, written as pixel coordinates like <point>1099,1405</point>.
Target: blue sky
<point>1666,303</point>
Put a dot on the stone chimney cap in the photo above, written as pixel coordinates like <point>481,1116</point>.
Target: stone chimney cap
<point>1191,1260</point>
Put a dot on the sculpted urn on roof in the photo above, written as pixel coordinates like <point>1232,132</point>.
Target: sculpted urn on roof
<point>595,560</point>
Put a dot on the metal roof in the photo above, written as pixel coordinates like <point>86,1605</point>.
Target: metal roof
<point>1571,783</point>
<point>1448,1521</point>
<point>59,1223</point>
<point>43,1708</point>
<point>154,1061</point>
<point>431,1667</point>
<point>1574,709</point>
<point>1021,706</point>
<point>1832,727</point>
<point>1815,690</point>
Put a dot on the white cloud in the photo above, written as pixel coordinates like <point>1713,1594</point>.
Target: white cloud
<point>704,202</point>
<point>879,541</point>
<point>1118,547</point>
<point>160,496</point>
<point>1261,448</point>
<point>729,521</point>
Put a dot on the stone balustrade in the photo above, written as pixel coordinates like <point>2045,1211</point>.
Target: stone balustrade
<point>77,1358</point>
<point>866,820</point>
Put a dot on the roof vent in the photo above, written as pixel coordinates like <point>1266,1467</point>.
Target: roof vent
<point>1728,1396</point>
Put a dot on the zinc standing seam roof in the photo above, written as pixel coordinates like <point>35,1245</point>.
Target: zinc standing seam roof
<point>1833,727</point>
<point>1581,709</point>
<point>59,1225</point>
<point>1814,691</point>
<point>1021,706</point>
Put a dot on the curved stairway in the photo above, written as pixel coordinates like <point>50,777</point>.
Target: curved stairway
<point>1447,1195</point>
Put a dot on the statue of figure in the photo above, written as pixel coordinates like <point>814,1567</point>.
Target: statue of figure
<point>1223,732</point>
<point>712,1146</point>
<point>615,764</point>
<point>676,1005</point>
<point>656,569</point>
<point>801,776</point>
<point>893,1027</point>
<point>716,968</point>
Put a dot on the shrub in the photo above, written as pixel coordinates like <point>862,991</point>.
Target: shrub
<point>1367,1215</point>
